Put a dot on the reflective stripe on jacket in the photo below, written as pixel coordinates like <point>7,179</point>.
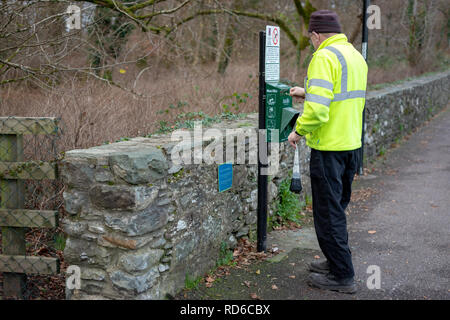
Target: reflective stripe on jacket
<point>335,95</point>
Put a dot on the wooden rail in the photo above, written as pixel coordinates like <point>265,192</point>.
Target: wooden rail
<point>28,125</point>
<point>28,264</point>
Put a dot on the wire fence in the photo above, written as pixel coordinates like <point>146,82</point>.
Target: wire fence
<point>31,204</point>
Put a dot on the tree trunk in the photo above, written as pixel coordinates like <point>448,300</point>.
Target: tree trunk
<point>227,48</point>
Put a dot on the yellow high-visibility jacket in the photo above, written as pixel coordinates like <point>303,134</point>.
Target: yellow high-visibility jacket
<point>335,96</point>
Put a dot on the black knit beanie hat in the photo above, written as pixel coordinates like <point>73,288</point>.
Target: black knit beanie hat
<point>324,21</point>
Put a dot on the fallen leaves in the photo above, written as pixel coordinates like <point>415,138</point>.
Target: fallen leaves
<point>363,194</point>
<point>288,225</point>
<point>391,172</point>
<point>255,296</point>
<point>209,281</point>
<point>243,255</point>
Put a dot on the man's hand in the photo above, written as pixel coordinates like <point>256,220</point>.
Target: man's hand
<point>297,92</point>
<point>293,138</point>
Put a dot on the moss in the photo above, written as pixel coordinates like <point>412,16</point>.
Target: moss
<point>408,111</point>
<point>179,173</point>
<point>376,127</point>
<point>177,176</point>
<point>430,112</point>
<point>252,234</point>
<point>245,124</point>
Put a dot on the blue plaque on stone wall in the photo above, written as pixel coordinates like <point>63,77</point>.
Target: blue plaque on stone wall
<point>225,176</point>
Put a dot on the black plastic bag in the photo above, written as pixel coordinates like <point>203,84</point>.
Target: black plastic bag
<point>296,181</point>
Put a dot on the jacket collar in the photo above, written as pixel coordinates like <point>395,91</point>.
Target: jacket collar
<point>339,38</point>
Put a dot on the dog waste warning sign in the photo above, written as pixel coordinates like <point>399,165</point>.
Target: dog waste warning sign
<point>272,68</point>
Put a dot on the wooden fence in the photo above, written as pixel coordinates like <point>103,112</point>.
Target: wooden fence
<point>14,219</point>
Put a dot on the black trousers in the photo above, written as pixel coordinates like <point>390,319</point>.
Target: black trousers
<point>332,175</point>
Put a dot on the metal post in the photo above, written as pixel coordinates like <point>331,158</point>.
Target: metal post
<point>364,45</point>
<point>262,179</point>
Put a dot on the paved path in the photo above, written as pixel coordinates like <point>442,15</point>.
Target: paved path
<point>409,210</point>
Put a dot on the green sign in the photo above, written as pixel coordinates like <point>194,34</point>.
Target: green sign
<point>279,112</point>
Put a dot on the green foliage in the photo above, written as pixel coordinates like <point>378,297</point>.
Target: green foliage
<point>191,282</point>
<point>176,176</point>
<point>186,120</point>
<point>417,12</point>
<point>429,112</point>
<point>225,256</point>
<point>171,107</point>
<point>107,75</point>
<point>288,205</point>
<point>376,127</point>
<point>142,63</point>
<point>308,199</point>
<point>234,101</point>
<point>123,139</point>
<point>60,241</point>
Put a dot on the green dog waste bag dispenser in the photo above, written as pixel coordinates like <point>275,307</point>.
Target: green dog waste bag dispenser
<point>282,117</point>
<point>279,112</point>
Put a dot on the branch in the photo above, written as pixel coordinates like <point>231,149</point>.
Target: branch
<point>299,7</point>
<point>265,17</point>
<point>356,30</point>
<point>3,82</point>
<point>18,66</point>
<point>169,11</point>
<point>142,5</point>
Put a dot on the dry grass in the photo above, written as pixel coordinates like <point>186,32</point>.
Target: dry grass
<point>93,112</point>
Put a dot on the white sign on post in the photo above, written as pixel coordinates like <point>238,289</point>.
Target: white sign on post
<point>272,68</point>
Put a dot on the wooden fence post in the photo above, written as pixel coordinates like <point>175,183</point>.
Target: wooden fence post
<point>12,197</point>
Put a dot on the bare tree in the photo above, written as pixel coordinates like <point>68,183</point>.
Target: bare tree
<point>36,47</point>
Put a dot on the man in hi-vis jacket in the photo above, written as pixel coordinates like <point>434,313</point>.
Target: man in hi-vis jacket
<point>331,122</point>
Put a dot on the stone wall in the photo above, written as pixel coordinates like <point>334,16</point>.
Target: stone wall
<point>138,224</point>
